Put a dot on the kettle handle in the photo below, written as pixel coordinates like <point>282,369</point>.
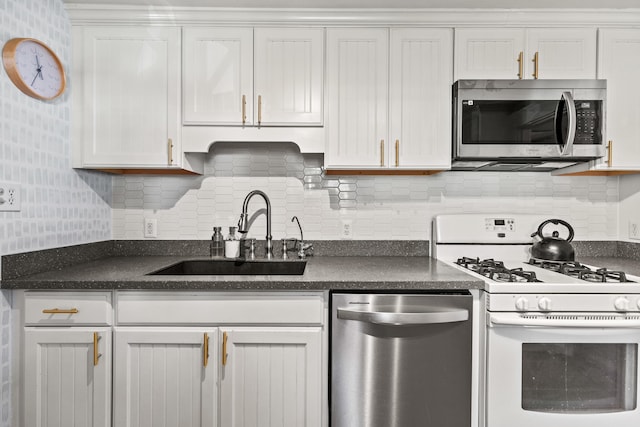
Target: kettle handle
<point>556,222</point>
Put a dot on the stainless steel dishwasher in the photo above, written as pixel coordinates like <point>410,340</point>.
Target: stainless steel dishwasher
<point>401,360</point>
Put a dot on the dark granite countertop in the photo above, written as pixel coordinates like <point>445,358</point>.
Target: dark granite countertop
<point>322,273</point>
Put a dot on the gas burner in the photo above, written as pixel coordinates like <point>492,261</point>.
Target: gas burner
<point>495,270</point>
<point>579,271</point>
<point>603,275</point>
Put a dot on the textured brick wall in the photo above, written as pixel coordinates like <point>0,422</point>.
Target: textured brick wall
<point>378,207</point>
<point>60,206</point>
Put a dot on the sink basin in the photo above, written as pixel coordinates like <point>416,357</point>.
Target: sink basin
<point>234,267</point>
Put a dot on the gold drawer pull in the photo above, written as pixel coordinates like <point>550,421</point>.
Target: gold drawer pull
<point>397,152</point>
<point>60,311</point>
<point>96,355</point>
<point>610,153</point>
<point>382,152</point>
<point>259,110</point>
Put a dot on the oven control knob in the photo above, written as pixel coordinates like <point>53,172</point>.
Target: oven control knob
<point>544,304</point>
<point>621,304</point>
<point>522,304</point>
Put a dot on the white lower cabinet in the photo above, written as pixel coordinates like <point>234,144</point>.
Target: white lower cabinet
<point>165,377</point>
<point>67,377</point>
<point>172,359</point>
<point>271,377</point>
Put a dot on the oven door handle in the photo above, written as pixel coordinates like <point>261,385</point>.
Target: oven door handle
<point>620,323</point>
<point>403,319</point>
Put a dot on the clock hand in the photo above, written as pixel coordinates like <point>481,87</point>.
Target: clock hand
<point>38,70</point>
<point>35,77</point>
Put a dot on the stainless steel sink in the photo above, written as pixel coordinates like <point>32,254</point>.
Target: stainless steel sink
<point>236,267</point>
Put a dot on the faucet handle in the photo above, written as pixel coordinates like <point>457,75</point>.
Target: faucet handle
<point>304,247</point>
<point>285,247</point>
<point>252,248</point>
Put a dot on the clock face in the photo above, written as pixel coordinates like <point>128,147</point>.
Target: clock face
<point>34,68</point>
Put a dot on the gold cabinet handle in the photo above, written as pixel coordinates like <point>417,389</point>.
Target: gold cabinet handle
<point>205,355</point>
<point>535,65</point>
<point>170,148</point>
<point>520,66</point>
<point>224,348</point>
<point>244,109</point>
<point>259,109</point>
<point>397,152</point>
<point>382,152</point>
<point>610,153</point>
<point>96,355</point>
<point>60,311</point>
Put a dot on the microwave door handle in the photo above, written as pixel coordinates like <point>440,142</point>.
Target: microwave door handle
<point>573,119</point>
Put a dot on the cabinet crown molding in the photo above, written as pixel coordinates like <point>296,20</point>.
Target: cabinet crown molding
<point>91,14</point>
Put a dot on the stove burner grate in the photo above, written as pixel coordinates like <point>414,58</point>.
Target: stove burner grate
<point>495,270</point>
<point>577,270</point>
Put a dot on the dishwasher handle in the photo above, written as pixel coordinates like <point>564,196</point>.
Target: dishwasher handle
<point>404,319</point>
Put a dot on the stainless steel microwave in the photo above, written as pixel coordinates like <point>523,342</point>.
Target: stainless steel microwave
<point>527,125</point>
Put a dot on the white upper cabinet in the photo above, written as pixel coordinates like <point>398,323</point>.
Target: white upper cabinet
<point>358,96</point>
<point>512,53</point>
<point>618,63</point>
<point>389,98</point>
<point>421,74</point>
<point>222,64</point>
<point>130,97</point>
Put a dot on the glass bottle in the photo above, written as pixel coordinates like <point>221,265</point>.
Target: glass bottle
<point>217,242</point>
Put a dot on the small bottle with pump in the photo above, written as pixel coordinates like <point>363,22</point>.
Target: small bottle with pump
<point>217,243</point>
<point>232,244</point>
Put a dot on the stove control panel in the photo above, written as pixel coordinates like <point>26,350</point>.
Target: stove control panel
<point>499,225</point>
<point>564,302</point>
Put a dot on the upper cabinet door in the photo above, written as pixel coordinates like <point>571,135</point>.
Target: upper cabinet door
<point>218,76</point>
<point>421,73</point>
<point>358,87</point>
<point>508,53</point>
<point>288,75</point>
<point>488,53</point>
<point>131,96</point>
<point>618,63</point>
<point>561,53</point>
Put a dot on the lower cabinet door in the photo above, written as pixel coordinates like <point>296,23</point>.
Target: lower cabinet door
<point>271,377</point>
<point>67,377</point>
<point>165,377</point>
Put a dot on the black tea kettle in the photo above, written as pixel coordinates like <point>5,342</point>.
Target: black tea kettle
<point>553,248</point>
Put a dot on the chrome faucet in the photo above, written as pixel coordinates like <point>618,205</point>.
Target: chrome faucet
<point>243,223</point>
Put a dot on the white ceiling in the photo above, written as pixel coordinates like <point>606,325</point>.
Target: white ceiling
<point>374,4</point>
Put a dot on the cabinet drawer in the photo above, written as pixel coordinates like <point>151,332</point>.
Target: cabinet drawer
<point>68,308</point>
<point>173,308</point>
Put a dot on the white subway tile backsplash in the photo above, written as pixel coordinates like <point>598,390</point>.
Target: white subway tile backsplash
<point>381,207</point>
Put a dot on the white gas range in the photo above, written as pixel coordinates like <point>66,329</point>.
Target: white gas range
<point>561,338</point>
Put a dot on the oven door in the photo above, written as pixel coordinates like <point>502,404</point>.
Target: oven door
<point>564,375</point>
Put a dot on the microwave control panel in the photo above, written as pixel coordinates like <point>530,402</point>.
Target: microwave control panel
<point>588,122</point>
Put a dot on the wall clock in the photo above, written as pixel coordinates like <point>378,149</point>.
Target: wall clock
<point>34,68</point>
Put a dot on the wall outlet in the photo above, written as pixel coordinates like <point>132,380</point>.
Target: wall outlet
<point>10,197</point>
<point>347,229</point>
<point>634,230</point>
<point>150,227</point>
